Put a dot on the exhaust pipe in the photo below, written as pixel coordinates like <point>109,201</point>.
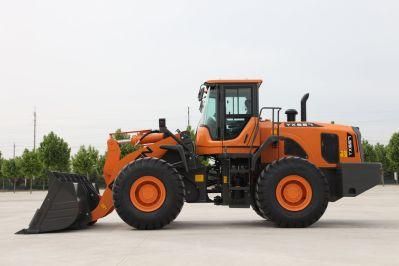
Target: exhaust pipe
<point>303,106</point>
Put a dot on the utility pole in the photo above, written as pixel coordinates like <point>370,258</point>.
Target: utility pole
<point>34,146</point>
<point>15,178</point>
<point>188,116</point>
<point>34,129</point>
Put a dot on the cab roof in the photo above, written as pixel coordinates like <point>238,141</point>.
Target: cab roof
<point>233,81</point>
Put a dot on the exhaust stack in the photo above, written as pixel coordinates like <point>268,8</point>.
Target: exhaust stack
<point>303,106</point>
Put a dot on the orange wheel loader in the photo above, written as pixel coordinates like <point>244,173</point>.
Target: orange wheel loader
<point>287,171</point>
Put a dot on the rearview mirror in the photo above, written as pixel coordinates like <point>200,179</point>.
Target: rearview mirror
<point>201,92</point>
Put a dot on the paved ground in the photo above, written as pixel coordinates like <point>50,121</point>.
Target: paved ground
<point>354,231</point>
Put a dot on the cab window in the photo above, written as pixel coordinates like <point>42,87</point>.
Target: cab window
<point>209,113</point>
<point>238,110</point>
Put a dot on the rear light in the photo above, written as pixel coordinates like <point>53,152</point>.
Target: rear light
<point>330,147</point>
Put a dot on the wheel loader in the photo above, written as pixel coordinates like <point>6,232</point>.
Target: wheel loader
<point>243,156</point>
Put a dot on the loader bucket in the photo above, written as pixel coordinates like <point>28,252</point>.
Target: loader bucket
<point>68,204</point>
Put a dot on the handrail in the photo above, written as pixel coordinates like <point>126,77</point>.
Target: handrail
<point>273,124</point>
<point>273,115</point>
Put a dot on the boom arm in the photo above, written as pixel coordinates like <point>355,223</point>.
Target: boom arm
<point>114,164</point>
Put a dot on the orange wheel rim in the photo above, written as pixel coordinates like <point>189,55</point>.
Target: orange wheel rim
<point>294,193</point>
<point>148,193</point>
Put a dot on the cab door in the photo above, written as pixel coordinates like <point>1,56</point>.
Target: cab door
<point>208,137</point>
<point>239,117</point>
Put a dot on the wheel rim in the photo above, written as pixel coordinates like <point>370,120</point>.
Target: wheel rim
<point>147,193</point>
<point>294,193</point>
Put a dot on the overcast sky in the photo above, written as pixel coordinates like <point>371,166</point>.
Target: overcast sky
<point>90,67</point>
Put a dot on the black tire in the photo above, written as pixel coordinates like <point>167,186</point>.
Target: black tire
<point>266,192</point>
<point>258,212</point>
<point>170,208</point>
<point>254,205</point>
<point>92,223</point>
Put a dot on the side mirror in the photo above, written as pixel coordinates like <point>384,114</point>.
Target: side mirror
<point>162,124</point>
<point>201,107</point>
<point>201,92</point>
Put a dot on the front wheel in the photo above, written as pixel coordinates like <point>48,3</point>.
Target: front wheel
<point>148,193</point>
<point>292,192</point>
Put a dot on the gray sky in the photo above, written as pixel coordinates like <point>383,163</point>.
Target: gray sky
<point>93,66</point>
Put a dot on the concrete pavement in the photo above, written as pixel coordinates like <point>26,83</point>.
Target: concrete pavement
<point>353,231</point>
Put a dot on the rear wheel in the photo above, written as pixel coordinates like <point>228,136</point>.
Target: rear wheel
<point>254,205</point>
<point>148,193</point>
<point>258,212</point>
<point>292,192</point>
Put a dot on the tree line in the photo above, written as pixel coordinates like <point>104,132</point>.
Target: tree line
<point>30,170</point>
<point>387,155</point>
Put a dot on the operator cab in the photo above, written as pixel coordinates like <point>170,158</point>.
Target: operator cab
<point>227,107</point>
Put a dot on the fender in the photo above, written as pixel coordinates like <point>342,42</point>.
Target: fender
<point>270,140</point>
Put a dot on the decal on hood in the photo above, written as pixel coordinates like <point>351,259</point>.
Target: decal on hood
<point>350,146</point>
<point>301,124</point>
